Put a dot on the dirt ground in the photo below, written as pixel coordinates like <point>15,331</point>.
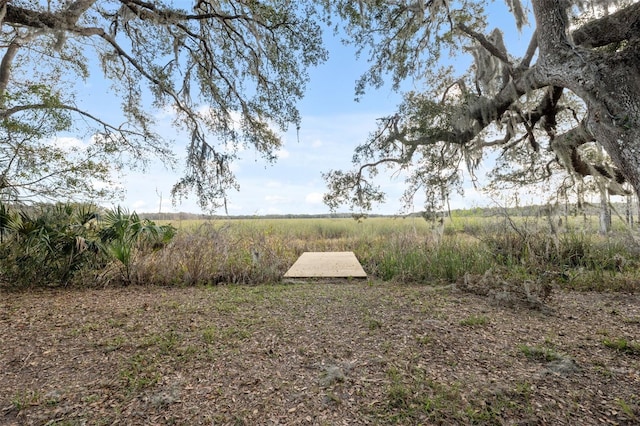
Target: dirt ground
<point>324,353</point>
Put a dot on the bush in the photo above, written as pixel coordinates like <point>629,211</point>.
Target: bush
<point>124,235</point>
<point>48,246</point>
<point>54,245</point>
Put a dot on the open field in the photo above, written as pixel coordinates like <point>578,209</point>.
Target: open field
<point>317,354</point>
<point>409,250</point>
<point>73,246</point>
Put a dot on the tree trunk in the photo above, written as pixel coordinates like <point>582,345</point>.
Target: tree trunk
<point>629,211</point>
<point>608,83</point>
<point>605,212</point>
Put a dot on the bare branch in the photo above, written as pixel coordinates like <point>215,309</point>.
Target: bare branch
<point>9,55</point>
<point>5,66</point>
<point>530,53</point>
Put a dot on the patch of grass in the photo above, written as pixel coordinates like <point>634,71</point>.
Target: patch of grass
<point>90,399</point>
<point>499,405</point>
<point>626,408</point>
<point>524,389</point>
<point>116,322</point>
<point>423,340</point>
<point>229,336</point>
<point>210,334</point>
<point>25,399</point>
<point>112,344</point>
<point>164,342</point>
<point>85,329</point>
<point>141,372</point>
<point>409,258</point>
<point>622,345</point>
<point>398,394</point>
<point>413,398</point>
<point>456,256</point>
<point>235,334</point>
<point>475,321</point>
<point>226,306</point>
<point>604,371</point>
<point>373,324</point>
<point>539,353</point>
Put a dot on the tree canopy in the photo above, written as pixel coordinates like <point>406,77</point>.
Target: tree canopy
<point>568,104</point>
<point>229,72</point>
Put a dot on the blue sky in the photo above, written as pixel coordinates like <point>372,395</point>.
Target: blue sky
<point>333,124</point>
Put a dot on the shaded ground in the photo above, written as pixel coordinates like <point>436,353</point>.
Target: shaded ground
<point>316,353</point>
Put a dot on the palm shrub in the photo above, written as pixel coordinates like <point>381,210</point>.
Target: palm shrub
<point>5,220</point>
<point>123,234</point>
<point>47,246</point>
<point>58,244</point>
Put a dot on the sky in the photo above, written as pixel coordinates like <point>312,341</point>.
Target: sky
<point>333,124</point>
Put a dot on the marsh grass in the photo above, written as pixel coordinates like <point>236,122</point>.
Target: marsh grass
<point>404,250</point>
<point>260,250</point>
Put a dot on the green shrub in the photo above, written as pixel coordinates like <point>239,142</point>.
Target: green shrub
<point>49,245</point>
<point>124,234</point>
<point>53,245</point>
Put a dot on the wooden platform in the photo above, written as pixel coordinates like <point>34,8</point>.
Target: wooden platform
<point>339,264</point>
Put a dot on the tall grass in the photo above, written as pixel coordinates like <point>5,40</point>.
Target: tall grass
<point>258,251</point>
<point>254,251</point>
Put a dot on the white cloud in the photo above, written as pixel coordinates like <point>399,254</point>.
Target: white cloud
<point>273,184</point>
<point>275,199</point>
<point>139,205</point>
<point>314,198</point>
<point>68,143</point>
<point>283,153</point>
